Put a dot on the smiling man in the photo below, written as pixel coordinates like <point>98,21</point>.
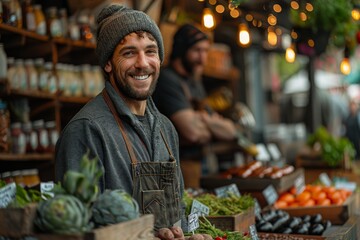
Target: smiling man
<point>137,146</point>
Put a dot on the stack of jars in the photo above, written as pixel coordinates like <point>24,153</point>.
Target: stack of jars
<point>33,137</point>
<point>52,21</point>
<point>26,177</point>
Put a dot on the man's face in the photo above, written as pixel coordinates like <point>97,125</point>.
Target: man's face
<point>135,66</point>
<point>195,58</point>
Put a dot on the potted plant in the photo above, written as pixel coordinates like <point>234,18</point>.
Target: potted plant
<point>328,22</point>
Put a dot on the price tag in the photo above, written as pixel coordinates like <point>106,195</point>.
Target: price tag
<point>270,194</point>
<point>7,194</point>
<point>263,154</point>
<point>324,179</point>
<point>253,233</point>
<point>274,151</point>
<point>299,184</point>
<point>257,208</point>
<point>199,208</point>
<point>47,187</point>
<point>193,222</point>
<point>227,190</point>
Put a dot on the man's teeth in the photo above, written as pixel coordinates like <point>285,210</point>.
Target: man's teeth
<point>141,77</point>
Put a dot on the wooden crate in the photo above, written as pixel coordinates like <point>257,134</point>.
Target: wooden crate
<point>337,214</point>
<point>347,231</point>
<point>252,183</point>
<point>17,222</point>
<point>140,228</point>
<point>239,222</point>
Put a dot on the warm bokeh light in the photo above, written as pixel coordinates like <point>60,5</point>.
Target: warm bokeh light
<point>272,38</point>
<point>277,8</point>
<point>290,54</point>
<point>345,66</point>
<point>234,13</point>
<point>303,16</point>
<point>309,7</point>
<point>355,14</point>
<point>244,35</point>
<point>212,2</point>
<point>208,18</point>
<point>294,5</point>
<point>220,8</point>
<point>272,20</point>
<point>249,17</point>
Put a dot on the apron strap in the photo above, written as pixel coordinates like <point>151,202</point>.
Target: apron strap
<point>121,127</point>
<point>167,145</point>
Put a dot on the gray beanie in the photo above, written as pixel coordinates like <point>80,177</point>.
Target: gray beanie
<point>115,22</point>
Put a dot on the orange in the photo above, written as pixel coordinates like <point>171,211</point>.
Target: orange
<point>335,196</point>
<point>303,197</point>
<point>324,202</point>
<point>308,203</point>
<point>318,196</point>
<point>280,204</point>
<point>287,197</point>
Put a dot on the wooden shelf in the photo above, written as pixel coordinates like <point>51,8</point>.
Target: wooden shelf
<point>27,157</point>
<point>19,31</point>
<point>76,100</point>
<point>32,94</point>
<point>78,43</point>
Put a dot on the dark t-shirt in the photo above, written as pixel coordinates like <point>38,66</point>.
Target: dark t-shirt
<point>170,96</point>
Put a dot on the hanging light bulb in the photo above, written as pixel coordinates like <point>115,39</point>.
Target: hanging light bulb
<point>272,37</point>
<point>208,18</point>
<point>290,54</point>
<point>244,35</point>
<point>345,66</point>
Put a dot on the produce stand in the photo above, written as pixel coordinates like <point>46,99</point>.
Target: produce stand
<point>238,222</point>
<point>252,183</point>
<point>17,222</point>
<point>140,228</point>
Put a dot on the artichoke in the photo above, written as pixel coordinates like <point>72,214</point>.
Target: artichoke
<point>62,214</point>
<point>84,183</point>
<point>114,206</point>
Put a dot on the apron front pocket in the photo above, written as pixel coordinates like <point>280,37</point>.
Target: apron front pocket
<point>153,202</point>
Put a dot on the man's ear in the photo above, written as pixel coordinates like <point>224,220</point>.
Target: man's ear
<point>108,67</point>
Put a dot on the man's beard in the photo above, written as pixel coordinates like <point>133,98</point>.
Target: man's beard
<point>129,92</point>
<point>187,65</point>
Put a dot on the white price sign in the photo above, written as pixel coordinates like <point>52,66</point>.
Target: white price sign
<point>7,194</point>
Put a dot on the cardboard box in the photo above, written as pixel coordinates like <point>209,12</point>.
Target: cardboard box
<point>17,222</point>
<point>239,222</point>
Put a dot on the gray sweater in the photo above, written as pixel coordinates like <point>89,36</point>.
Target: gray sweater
<point>95,128</point>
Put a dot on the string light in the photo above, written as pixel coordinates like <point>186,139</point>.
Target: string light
<point>244,35</point>
<point>345,66</point>
<point>290,54</point>
<point>208,18</point>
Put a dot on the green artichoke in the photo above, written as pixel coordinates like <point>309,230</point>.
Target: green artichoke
<point>114,206</point>
<point>62,214</point>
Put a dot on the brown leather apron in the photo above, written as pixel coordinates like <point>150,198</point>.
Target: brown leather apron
<point>155,183</point>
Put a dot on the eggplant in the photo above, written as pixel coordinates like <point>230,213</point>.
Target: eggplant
<point>294,222</point>
<point>327,224</point>
<point>280,222</point>
<point>302,229</point>
<point>306,218</point>
<point>286,230</point>
<point>265,227</point>
<point>316,229</point>
<point>317,218</point>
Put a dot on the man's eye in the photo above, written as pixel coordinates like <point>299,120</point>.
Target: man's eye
<point>152,51</point>
<point>127,54</point>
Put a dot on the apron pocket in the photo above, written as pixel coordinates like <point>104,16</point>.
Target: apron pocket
<point>153,202</point>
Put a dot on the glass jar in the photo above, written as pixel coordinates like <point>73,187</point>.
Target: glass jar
<point>18,178</point>
<point>40,21</point>
<point>53,22</point>
<point>31,73</point>
<point>28,15</point>
<point>4,127</point>
<point>30,177</point>
<point>18,139</point>
<point>53,135</point>
<point>3,62</point>
<point>6,176</point>
<point>18,80</point>
<point>31,137</point>
<point>64,22</point>
<point>42,136</point>
<point>12,13</point>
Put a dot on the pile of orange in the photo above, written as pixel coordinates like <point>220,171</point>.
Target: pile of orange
<point>313,195</point>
